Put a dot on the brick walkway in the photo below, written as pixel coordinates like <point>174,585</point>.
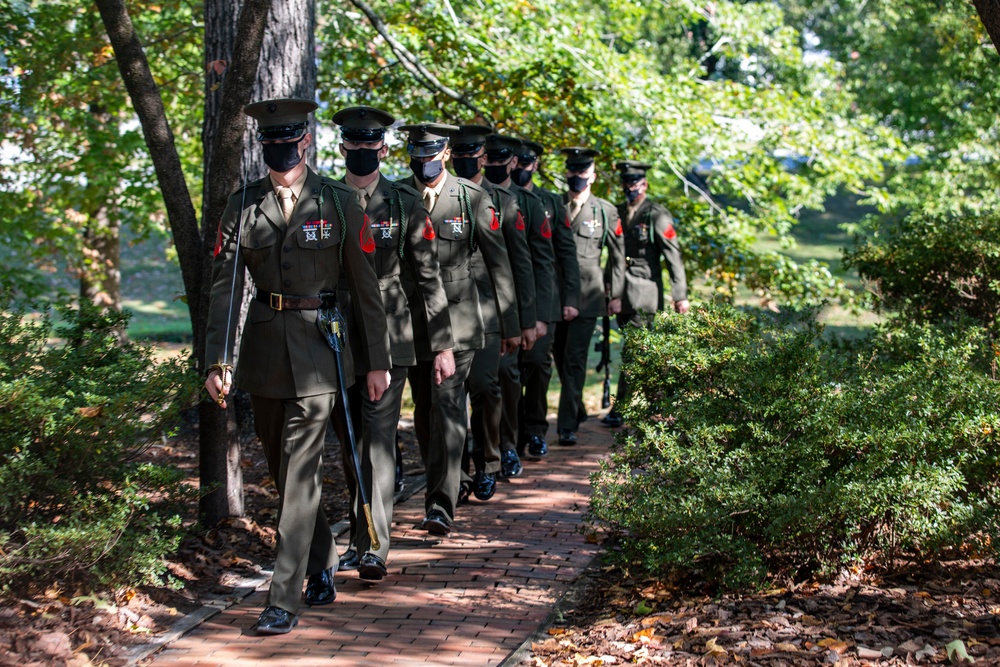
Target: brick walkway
<point>471,598</point>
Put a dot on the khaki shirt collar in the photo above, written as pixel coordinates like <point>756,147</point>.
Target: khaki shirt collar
<point>295,187</point>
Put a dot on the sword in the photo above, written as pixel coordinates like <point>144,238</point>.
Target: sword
<point>331,323</point>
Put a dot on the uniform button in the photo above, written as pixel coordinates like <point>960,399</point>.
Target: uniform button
<point>319,245</point>
<point>286,266</point>
<point>256,244</point>
<point>287,248</point>
<point>287,283</point>
<point>393,309</point>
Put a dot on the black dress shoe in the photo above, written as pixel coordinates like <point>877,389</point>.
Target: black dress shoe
<point>567,438</point>
<point>510,464</point>
<point>537,448</point>
<point>275,621</point>
<point>349,561</point>
<point>320,589</point>
<point>613,419</point>
<point>436,523</point>
<point>484,485</point>
<point>371,568</point>
<point>464,491</point>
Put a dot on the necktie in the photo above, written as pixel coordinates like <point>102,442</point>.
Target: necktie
<point>363,196</point>
<point>285,199</point>
<point>574,209</point>
<point>429,197</point>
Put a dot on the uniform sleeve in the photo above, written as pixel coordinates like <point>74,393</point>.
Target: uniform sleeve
<point>564,246</point>
<point>421,256</point>
<point>666,241</point>
<point>223,316</point>
<point>491,245</point>
<point>519,255</point>
<point>366,298</point>
<point>615,240</point>
<point>543,258</point>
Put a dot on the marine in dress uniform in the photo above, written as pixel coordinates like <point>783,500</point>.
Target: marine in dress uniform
<point>536,363</point>
<point>465,222</point>
<point>649,235</point>
<point>500,163</point>
<point>401,230</point>
<point>470,146</point>
<point>595,224</point>
<point>293,231</point>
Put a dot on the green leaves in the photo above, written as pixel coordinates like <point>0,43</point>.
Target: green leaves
<point>672,83</point>
<point>761,449</point>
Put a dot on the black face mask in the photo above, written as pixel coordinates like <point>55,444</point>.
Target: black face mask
<point>282,157</point>
<point>496,173</point>
<point>577,183</point>
<point>631,195</point>
<point>362,161</point>
<point>520,176</point>
<point>426,171</point>
<point>466,167</point>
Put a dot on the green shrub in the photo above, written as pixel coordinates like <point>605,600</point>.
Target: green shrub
<point>76,408</point>
<point>931,268</point>
<point>758,448</point>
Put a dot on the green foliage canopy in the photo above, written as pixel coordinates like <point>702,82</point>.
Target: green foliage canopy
<point>73,150</point>
<point>630,79</point>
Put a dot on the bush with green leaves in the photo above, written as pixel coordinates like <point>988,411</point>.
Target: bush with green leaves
<point>759,449</point>
<point>77,407</point>
<point>929,268</point>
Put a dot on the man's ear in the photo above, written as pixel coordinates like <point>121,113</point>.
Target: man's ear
<point>382,152</point>
<point>343,151</point>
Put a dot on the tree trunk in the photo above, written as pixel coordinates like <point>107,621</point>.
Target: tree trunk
<point>194,245</point>
<point>287,67</point>
<point>989,14</point>
<point>231,47</point>
<point>100,272</point>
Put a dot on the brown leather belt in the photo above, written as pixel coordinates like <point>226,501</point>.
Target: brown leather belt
<point>289,302</point>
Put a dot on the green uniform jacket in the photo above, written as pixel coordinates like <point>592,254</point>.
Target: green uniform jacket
<point>519,255</point>
<point>538,230</point>
<point>649,235</point>
<point>564,245</point>
<point>595,226</point>
<point>463,221</point>
<point>283,354</point>
<point>399,221</point>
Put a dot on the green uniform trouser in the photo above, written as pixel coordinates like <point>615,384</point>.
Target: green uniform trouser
<point>536,373</point>
<point>485,400</point>
<point>375,424</point>
<point>572,345</point>
<point>510,389</point>
<point>439,422</point>
<point>292,432</point>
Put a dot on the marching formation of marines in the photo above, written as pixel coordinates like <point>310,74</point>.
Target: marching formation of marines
<point>467,285</point>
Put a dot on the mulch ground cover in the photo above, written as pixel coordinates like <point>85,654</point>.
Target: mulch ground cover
<point>944,614</point>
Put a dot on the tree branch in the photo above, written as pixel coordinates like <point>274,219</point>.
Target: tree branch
<point>159,137</point>
<point>411,63</point>
<point>989,14</point>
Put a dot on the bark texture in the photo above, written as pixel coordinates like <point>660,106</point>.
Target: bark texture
<point>989,14</point>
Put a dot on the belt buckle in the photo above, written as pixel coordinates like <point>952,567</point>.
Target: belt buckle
<point>279,299</point>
